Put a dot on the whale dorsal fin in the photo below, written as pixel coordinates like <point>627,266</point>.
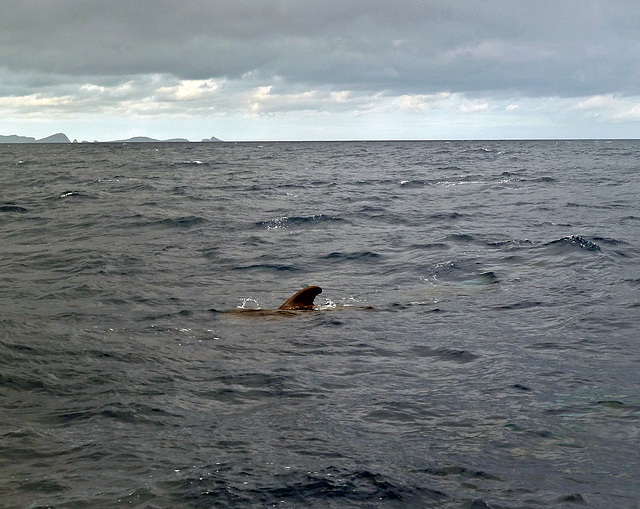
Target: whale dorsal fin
<point>302,299</point>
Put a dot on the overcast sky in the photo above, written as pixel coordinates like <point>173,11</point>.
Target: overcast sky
<point>320,69</point>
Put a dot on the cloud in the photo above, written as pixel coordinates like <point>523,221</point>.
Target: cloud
<point>255,60</point>
<point>32,101</point>
<point>632,113</point>
<point>611,107</point>
<point>597,102</point>
<point>190,90</point>
<point>474,106</point>
<point>416,47</point>
<point>422,102</point>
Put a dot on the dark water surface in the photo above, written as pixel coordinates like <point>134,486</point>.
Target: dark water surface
<point>477,346</point>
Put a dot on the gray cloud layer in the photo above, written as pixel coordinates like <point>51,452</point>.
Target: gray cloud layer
<point>529,47</point>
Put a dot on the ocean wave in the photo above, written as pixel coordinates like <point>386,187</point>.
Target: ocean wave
<point>415,183</point>
<point>445,354</point>
<point>290,221</point>
<point>445,182</point>
<point>511,244</point>
<point>358,255</point>
<point>460,472</point>
<point>267,267</point>
<point>423,247</point>
<point>461,237</point>
<point>12,208</point>
<point>118,411</point>
<point>183,222</point>
<point>191,162</point>
<point>322,488</point>
<point>609,241</point>
<point>73,194</point>
<point>447,215</point>
<point>575,241</point>
<point>526,304</point>
<point>19,382</point>
<point>466,272</point>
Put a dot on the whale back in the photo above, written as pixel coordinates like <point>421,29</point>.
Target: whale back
<point>302,299</point>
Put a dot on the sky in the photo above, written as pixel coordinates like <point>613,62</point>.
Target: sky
<point>320,69</point>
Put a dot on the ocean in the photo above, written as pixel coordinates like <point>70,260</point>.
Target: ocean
<point>476,343</point>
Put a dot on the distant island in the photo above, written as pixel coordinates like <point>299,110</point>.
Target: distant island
<point>145,139</point>
<point>62,138</point>
<point>54,138</point>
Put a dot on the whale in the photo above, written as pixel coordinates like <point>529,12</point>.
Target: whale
<point>302,300</point>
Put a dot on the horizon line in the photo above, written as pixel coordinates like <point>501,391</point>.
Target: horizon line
<point>30,140</point>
